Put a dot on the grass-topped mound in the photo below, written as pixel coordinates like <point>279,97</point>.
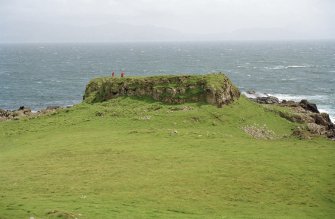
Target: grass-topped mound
<point>214,89</point>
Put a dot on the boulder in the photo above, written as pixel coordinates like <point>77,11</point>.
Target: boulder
<point>251,92</point>
<point>267,100</point>
<point>52,107</point>
<point>309,106</point>
<point>316,129</point>
<point>331,134</point>
<point>23,111</point>
<point>5,114</point>
<point>321,119</point>
<point>290,103</point>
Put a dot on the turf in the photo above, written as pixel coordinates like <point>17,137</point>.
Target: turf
<point>136,158</point>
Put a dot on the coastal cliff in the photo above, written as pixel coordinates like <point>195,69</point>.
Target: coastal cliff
<point>215,89</point>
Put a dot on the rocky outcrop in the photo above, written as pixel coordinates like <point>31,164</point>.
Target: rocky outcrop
<point>15,114</point>
<point>303,112</point>
<point>316,123</point>
<point>214,89</point>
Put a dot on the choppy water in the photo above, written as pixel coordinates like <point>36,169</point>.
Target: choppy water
<point>38,75</point>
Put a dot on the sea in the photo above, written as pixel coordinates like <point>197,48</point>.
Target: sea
<point>38,75</point>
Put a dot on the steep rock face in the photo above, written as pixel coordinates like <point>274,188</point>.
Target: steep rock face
<point>214,89</point>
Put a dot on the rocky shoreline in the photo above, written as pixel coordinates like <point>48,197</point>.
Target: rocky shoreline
<point>26,112</point>
<point>315,122</point>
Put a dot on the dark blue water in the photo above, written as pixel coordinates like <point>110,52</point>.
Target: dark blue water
<point>38,75</point>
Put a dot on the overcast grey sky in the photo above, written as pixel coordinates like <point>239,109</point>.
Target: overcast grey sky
<point>127,20</point>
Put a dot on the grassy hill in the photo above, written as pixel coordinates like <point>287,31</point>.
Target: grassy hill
<point>134,157</point>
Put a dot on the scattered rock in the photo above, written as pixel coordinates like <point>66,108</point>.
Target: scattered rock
<point>145,118</point>
<point>301,133</point>
<point>289,103</point>
<point>62,214</point>
<point>316,129</point>
<point>309,106</point>
<point>52,107</point>
<point>267,100</point>
<point>259,132</point>
<point>321,119</point>
<point>5,114</point>
<point>174,132</point>
<point>23,111</point>
<point>331,134</point>
<point>251,92</point>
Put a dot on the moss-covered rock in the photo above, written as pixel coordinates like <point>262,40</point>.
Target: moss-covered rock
<point>214,89</point>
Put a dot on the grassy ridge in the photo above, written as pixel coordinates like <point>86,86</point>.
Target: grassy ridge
<point>135,158</point>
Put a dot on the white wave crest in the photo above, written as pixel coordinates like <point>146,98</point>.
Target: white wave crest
<point>297,66</point>
<point>280,67</point>
<point>299,97</point>
<point>275,67</point>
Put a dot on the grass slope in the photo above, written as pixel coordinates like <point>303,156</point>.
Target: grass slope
<point>135,158</point>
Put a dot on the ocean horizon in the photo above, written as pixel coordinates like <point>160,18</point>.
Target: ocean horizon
<point>38,75</point>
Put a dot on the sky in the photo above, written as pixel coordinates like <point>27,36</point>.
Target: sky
<point>165,20</point>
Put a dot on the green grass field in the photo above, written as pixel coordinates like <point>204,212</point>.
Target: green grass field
<point>136,158</point>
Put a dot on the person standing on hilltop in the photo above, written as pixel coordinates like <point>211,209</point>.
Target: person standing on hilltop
<point>113,74</point>
<point>122,74</point>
